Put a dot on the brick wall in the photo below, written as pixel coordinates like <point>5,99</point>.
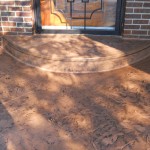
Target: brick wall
<point>137,19</point>
<point>15,17</point>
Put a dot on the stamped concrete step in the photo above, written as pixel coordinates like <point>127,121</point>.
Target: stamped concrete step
<point>76,53</point>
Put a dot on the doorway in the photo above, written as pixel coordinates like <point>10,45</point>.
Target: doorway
<point>79,16</point>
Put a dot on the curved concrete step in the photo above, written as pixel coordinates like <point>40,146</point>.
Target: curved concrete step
<point>76,53</point>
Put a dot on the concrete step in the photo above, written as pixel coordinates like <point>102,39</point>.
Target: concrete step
<point>76,53</point>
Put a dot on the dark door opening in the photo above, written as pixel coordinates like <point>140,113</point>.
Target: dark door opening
<point>79,16</point>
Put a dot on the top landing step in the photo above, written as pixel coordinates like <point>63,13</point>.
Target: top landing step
<point>76,53</point>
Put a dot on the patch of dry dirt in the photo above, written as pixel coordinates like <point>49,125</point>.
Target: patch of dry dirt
<point>47,111</point>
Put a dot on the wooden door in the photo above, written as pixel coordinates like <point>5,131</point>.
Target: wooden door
<point>50,16</point>
<point>78,13</point>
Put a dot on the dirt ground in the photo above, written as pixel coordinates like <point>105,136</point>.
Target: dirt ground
<point>49,111</point>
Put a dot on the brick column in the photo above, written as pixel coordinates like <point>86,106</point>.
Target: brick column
<point>137,19</point>
<point>15,17</point>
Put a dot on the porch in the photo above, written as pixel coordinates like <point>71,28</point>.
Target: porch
<point>76,53</point>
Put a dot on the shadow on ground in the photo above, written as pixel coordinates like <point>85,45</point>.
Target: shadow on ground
<point>101,111</point>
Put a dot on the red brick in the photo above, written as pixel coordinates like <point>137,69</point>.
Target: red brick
<point>8,24</point>
<point>27,19</point>
<point>15,8</point>
<point>28,30</point>
<point>140,21</point>
<point>16,19</point>
<point>26,8</point>
<point>134,4</point>
<point>132,26</point>
<point>23,3</point>
<point>145,27</point>
<point>24,24</point>
<point>128,21</point>
<point>146,4</point>
<point>141,10</point>
<point>129,10</point>
<point>6,29</point>
<point>127,31</point>
<point>3,8</point>
<point>7,13</point>
<point>7,3</point>
<point>139,32</point>
<point>4,18</point>
<point>24,14</point>
<point>17,29</point>
<point>146,16</point>
<point>132,16</point>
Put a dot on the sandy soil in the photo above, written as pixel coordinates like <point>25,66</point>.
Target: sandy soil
<point>48,111</point>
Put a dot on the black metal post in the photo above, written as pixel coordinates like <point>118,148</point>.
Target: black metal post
<point>71,13</point>
<point>37,14</point>
<point>84,15</point>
